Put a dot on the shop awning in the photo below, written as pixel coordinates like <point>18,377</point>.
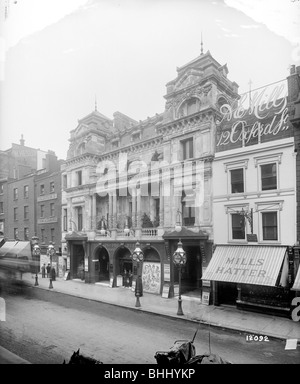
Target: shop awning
<point>16,249</point>
<point>258,265</point>
<point>296,285</point>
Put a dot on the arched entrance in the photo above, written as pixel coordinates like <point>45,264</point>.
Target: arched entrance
<point>123,267</point>
<point>151,275</point>
<point>101,265</point>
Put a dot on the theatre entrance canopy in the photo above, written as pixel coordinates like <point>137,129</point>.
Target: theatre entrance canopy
<point>258,265</point>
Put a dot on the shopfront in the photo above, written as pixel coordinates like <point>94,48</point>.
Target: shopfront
<point>251,277</point>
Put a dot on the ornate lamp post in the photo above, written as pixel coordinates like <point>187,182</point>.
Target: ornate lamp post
<point>51,252</point>
<point>138,256</point>
<point>179,259</point>
<point>36,252</point>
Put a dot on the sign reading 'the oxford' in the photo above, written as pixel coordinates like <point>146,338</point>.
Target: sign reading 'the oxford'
<point>246,264</point>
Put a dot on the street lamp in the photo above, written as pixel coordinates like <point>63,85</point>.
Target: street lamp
<point>51,252</point>
<point>138,256</point>
<point>36,252</point>
<point>179,259</point>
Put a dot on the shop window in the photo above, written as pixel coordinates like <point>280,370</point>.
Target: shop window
<point>237,180</point>
<point>238,227</point>
<point>268,176</point>
<point>269,225</point>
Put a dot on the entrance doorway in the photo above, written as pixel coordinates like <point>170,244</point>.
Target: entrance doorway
<point>78,262</point>
<point>102,265</point>
<point>123,267</point>
<point>227,293</point>
<point>191,272</point>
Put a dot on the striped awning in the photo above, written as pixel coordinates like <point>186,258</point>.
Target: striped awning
<point>296,285</point>
<point>246,264</point>
<point>19,249</point>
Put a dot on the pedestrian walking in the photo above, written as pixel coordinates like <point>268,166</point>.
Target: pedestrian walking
<point>44,270</point>
<point>48,268</point>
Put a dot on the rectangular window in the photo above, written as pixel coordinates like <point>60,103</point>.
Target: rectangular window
<point>53,235</point>
<point>15,193</point>
<point>26,191</point>
<point>188,214</point>
<point>42,189</point>
<point>26,212</point>
<point>1,189</point>
<point>16,234</point>
<point>79,216</point>
<point>237,180</point>
<point>65,181</point>
<point>42,210</point>
<point>187,149</point>
<point>65,218</point>
<point>42,235</point>
<point>268,176</point>
<point>51,209</point>
<point>238,227</point>
<point>1,207</point>
<point>15,214</point>
<point>79,177</point>
<point>26,234</point>
<point>269,225</point>
<point>52,187</point>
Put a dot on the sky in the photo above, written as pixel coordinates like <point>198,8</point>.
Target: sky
<point>58,56</point>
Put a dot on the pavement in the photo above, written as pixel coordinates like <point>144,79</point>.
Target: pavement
<point>227,317</point>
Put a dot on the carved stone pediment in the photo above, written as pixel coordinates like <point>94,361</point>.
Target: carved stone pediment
<point>190,76</point>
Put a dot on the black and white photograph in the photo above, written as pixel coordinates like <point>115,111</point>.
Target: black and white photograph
<point>150,185</point>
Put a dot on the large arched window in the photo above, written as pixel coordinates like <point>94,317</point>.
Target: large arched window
<point>189,107</point>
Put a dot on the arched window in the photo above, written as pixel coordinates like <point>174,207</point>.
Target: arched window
<point>189,107</point>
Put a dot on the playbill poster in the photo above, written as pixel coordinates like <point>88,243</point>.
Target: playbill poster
<point>151,277</point>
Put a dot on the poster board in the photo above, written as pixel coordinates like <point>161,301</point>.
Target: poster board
<point>167,274</point>
<point>67,275</point>
<point>176,289</point>
<point>205,298</point>
<point>166,291</point>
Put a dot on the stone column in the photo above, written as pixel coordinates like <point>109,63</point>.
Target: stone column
<point>134,208</point>
<point>110,210</point>
<point>138,208</point>
<point>161,205</point>
<point>114,210</point>
<point>94,211</point>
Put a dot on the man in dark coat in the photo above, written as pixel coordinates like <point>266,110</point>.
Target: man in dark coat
<point>48,268</point>
<point>44,270</point>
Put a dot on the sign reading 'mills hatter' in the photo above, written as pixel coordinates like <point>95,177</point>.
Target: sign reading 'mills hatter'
<point>246,264</point>
<point>258,117</point>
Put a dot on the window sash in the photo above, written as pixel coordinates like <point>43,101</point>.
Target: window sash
<point>238,227</point>
<point>237,180</point>
<point>268,176</point>
<point>270,226</point>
